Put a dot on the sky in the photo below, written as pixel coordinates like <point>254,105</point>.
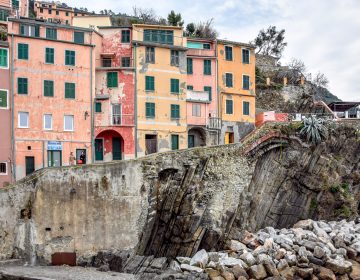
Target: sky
<point>324,34</point>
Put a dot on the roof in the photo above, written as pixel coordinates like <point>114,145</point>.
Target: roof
<point>236,43</point>
<point>115,27</point>
<point>154,26</point>
<point>342,106</point>
<point>200,39</point>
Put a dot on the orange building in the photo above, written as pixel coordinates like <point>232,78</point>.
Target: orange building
<point>53,85</point>
<point>236,89</point>
<point>57,12</point>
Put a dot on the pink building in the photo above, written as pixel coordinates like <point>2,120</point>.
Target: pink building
<point>13,8</point>
<point>114,97</point>
<point>53,87</point>
<point>270,116</point>
<point>202,102</point>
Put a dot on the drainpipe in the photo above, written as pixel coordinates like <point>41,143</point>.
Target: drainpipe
<point>219,97</point>
<point>12,108</point>
<point>135,101</point>
<point>91,103</point>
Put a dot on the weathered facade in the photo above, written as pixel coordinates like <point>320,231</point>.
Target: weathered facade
<point>160,61</point>
<point>53,70</point>
<point>92,21</point>
<point>115,97</point>
<point>202,98</point>
<point>236,88</point>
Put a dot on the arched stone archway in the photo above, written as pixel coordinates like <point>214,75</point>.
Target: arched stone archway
<point>109,146</point>
<point>197,137</point>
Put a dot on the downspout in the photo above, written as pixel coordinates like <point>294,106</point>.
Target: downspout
<point>135,101</point>
<point>12,108</point>
<point>91,103</point>
<point>219,97</point>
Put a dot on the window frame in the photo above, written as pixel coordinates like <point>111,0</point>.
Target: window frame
<point>173,109</point>
<point>126,59</point>
<point>73,123</point>
<point>243,76</point>
<point>232,52</point>
<point>49,82</point>
<point>177,86</point>
<point>82,39</point>
<point>6,168</point>
<point>70,52</point>
<point>110,83</point>
<point>7,58</point>
<point>172,136</point>
<point>189,87</point>
<point>44,125</point>
<point>232,80</point>
<point>46,55</point>
<point>207,44</point>
<point>189,66</point>
<point>148,83</point>
<point>174,58</point>
<point>209,90</point>
<point>207,68</point>
<point>198,110</point>
<point>128,36</point>
<point>65,88</point>
<point>54,32</point>
<point>19,119</point>
<point>150,110</point>
<point>96,107</point>
<point>150,55</point>
<point>7,99</point>
<point>242,55</point>
<point>243,108</point>
<point>24,57</point>
<point>226,106</point>
<point>27,85</point>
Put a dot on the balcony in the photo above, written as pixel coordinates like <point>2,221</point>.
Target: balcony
<point>214,123</point>
<point>111,63</point>
<point>121,120</point>
<point>197,96</point>
<point>201,52</point>
<point>209,122</point>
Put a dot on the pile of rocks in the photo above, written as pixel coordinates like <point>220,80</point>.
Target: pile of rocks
<point>309,250</point>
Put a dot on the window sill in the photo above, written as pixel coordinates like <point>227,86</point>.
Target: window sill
<point>148,90</point>
<point>150,117</point>
<point>175,119</point>
<point>68,130</point>
<point>175,93</point>
<point>22,127</point>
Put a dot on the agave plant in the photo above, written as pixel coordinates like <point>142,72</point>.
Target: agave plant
<point>314,130</point>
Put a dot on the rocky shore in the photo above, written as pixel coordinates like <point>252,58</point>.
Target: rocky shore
<point>309,250</point>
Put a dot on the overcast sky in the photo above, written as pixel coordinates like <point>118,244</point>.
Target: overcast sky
<point>325,34</point>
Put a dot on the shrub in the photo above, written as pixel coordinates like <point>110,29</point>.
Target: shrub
<point>314,130</point>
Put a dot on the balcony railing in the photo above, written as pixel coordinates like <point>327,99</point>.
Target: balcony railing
<point>121,119</point>
<point>214,123</point>
<point>199,96</point>
<point>201,52</point>
<point>122,62</point>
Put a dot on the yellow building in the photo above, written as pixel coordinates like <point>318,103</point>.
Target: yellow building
<point>91,21</point>
<point>160,61</point>
<point>236,88</point>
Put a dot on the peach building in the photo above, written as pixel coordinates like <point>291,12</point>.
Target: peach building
<point>114,97</point>
<point>53,87</point>
<point>160,67</point>
<point>202,102</point>
<point>57,12</point>
<point>236,89</point>
<point>13,8</point>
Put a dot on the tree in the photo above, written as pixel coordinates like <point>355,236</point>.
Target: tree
<point>175,19</point>
<point>202,30</point>
<point>190,29</point>
<point>270,42</point>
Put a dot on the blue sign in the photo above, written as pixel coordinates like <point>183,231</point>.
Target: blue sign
<point>54,146</point>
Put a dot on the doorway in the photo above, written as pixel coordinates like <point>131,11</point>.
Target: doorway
<point>29,165</point>
<point>191,141</point>
<point>150,143</point>
<point>99,149</point>
<point>78,154</point>
<point>54,158</point>
<point>229,137</point>
<point>116,145</point>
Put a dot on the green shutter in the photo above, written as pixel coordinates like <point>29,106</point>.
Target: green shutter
<point>37,31</point>
<point>98,107</point>
<point>246,56</point>
<point>174,142</point>
<point>150,109</point>
<point>189,65</point>
<point>207,67</point>
<point>51,33</point>
<point>149,83</point>
<point>228,53</point>
<point>229,107</point>
<point>112,79</point>
<point>70,90</point>
<point>22,86</point>
<point>174,86</point>
<point>3,99</point>
<point>49,55</point>
<point>246,108</point>
<point>23,51</point>
<point>246,82</point>
<point>49,88</point>
<point>189,87</point>
<point>70,58</point>
<point>125,36</point>
<point>4,58</point>
<point>208,89</point>
<point>79,37</point>
<point>229,80</point>
<point>175,111</point>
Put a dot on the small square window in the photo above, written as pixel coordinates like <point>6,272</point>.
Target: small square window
<point>79,37</point>
<point>3,168</point>
<point>98,107</point>
<point>190,87</point>
<point>51,33</point>
<point>125,62</point>
<point>23,119</point>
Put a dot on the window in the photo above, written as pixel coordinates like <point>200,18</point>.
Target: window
<point>150,110</point>
<point>49,88</point>
<point>4,58</point>
<point>189,65</point>
<point>207,67</point>
<point>229,107</point>
<point>3,168</point>
<point>4,15</point>
<point>229,80</point>
<point>125,62</point>
<point>159,36</point>
<point>246,82</point>
<point>125,36</point>
<point>41,10</point>
<point>246,56</point>
<point>174,86</point>
<point>208,89</point>
<point>23,51</point>
<point>51,33</point>
<point>68,123</point>
<point>70,58</point>
<point>3,99</point>
<point>30,30</point>
<point>150,55</point>
<point>98,107</point>
<point>22,85</point>
<point>112,79</point>
<point>228,53</point>
<point>106,61</point>
<point>47,122</point>
<point>206,46</point>
<point>149,83</point>
<point>174,142</point>
<point>67,14</point>
<point>50,12</point>
<point>49,55</point>
<point>70,90</point>
<point>75,14</point>
<point>189,87</point>
<point>79,37</point>
<point>66,22</point>
<point>57,13</point>
<point>23,119</point>
<point>196,110</point>
<point>175,111</point>
<point>174,61</point>
<point>116,114</point>
<point>246,108</point>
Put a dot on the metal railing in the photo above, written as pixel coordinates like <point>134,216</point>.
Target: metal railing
<point>124,62</point>
<point>121,119</point>
<point>214,123</point>
<point>194,95</point>
<point>302,116</point>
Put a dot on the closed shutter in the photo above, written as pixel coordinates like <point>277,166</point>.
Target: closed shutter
<point>189,66</point>
<point>229,107</point>
<point>98,107</point>
<point>70,90</point>
<point>3,99</point>
<point>149,83</point>
<point>174,142</point>
<point>3,58</point>
<point>49,88</point>
<point>208,89</point>
<point>150,110</point>
<point>112,79</point>
<point>79,37</point>
<point>175,111</point>
<point>22,86</point>
<point>207,67</point>
<point>246,108</point>
<point>49,55</point>
<point>174,86</point>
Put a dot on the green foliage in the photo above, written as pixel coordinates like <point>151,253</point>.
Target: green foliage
<point>313,204</point>
<point>334,188</point>
<point>175,19</point>
<point>270,42</point>
<point>344,211</point>
<point>314,130</point>
<point>190,29</point>
<point>201,30</point>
